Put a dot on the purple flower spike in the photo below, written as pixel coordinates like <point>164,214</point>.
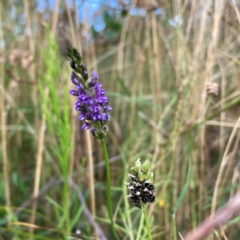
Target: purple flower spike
<point>91,100</point>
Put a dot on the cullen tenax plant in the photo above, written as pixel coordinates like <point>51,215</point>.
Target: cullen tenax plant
<point>92,103</point>
<point>140,183</point>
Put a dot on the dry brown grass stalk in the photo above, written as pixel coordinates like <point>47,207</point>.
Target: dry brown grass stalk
<point>237,10</point>
<point>88,137</point>
<point>156,59</point>
<point>91,176</point>
<point>32,69</point>
<point>55,18</point>
<point>35,103</point>
<point>223,95</point>
<point>217,220</point>
<point>221,169</point>
<point>38,171</point>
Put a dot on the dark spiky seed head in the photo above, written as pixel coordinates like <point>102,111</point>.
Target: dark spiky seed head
<point>146,183</point>
<point>151,187</point>
<point>142,189</point>
<point>134,179</point>
<point>144,199</point>
<point>152,199</point>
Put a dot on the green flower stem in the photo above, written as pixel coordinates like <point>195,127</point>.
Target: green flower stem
<point>146,220</point>
<point>109,202</point>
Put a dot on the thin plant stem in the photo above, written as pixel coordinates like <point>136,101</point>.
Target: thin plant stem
<point>174,227</point>
<point>109,202</point>
<point>140,227</point>
<point>147,222</point>
<point>66,203</point>
<point>3,125</point>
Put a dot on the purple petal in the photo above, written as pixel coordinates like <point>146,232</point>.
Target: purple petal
<point>95,76</point>
<point>108,108</point>
<point>80,87</point>
<point>98,86</point>
<point>103,92</point>
<point>97,109</point>
<point>82,97</point>
<point>86,126</point>
<point>105,99</point>
<point>81,117</point>
<point>74,79</point>
<point>104,117</point>
<point>90,101</point>
<point>73,92</point>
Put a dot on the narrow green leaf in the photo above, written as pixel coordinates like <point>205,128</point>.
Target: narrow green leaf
<point>184,190</point>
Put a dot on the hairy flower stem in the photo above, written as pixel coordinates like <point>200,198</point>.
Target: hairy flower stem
<point>146,220</point>
<point>109,201</point>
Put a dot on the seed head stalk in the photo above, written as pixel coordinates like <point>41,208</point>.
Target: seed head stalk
<point>146,221</point>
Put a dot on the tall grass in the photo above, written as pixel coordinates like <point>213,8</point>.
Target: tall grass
<point>159,77</point>
<point>55,106</point>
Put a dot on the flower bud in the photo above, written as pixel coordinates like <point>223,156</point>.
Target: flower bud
<point>140,176</point>
<point>105,128</point>
<point>137,166</point>
<point>101,134</point>
<point>147,176</point>
<point>145,166</point>
<point>94,132</point>
<point>73,65</point>
<point>132,170</point>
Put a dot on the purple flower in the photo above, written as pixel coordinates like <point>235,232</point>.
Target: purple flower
<point>92,102</point>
